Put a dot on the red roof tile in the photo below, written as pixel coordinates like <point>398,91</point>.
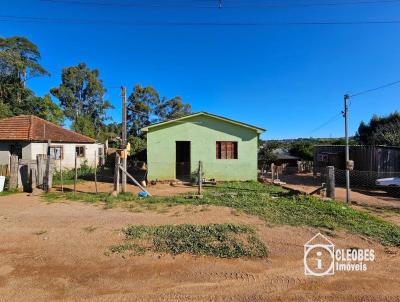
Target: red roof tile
<point>33,128</point>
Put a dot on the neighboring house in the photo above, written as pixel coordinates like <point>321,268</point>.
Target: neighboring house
<point>283,156</point>
<point>28,136</point>
<point>227,148</point>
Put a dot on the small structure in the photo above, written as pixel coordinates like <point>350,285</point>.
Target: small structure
<point>227,148</point>
<point>370,162</point>
<point>27,136</point>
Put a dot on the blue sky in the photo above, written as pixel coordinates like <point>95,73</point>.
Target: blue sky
<point>289,79</point>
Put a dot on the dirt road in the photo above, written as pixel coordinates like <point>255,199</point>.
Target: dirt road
<point>59,252</point>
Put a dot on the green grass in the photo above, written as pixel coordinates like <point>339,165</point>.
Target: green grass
<point>68,175</point>
<point>9,192</point>
<point>273,204</point>
<point>219,240</point>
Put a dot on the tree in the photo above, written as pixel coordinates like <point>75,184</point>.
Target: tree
<point>383,130</point>
<point>19,59</point>
<point>173,109</point>
<point>146,107</point>
<point>302,149</point>
<point>81,94</point>
<point>18,62</point>
<point>266,154</point>
<point>143,107</point>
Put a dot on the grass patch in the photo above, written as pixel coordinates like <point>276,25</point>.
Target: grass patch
<point>9,192</point>
<point>279,206</point>
<point>219,240</point>
<point>273,204</point>
<point>68,175</point>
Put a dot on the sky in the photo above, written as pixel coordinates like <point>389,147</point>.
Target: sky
<point>267,63</point>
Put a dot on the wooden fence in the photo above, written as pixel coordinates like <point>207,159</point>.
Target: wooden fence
<point>4,170</point>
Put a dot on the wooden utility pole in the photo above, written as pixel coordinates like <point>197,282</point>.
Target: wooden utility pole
<point>346,132</point>
<point>124,138</point>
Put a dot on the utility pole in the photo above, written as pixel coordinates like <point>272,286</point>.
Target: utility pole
<point>346,133</point>
<point>124,139</point>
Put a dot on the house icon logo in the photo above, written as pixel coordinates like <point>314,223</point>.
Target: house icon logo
<point>319,256</point>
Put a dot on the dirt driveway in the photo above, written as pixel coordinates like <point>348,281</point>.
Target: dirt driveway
<point>58,251</point>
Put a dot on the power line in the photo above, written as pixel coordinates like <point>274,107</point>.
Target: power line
<point>329,121</point>
<point>374,89</point>
<point>29,19</point>
<point>218,4</point>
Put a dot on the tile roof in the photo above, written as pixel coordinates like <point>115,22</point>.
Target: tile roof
<point>33,128</point>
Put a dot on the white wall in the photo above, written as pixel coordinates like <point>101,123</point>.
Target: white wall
<point>4,153</point>
<point>30,150</point>
<point>68,160</point>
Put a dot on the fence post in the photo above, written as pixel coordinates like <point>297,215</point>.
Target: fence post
<point>61,173</point>
<point>76,172</point>
<point>33,176</point>
<point>95,170</point>
<point>13,172</point>
<point>330,182</point>
<point>48,179</point>
<point>200,178</point>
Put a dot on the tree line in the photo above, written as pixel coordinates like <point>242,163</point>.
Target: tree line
<point>81,96</point>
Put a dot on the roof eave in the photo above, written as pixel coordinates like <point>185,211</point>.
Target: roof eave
<point>257,129</point>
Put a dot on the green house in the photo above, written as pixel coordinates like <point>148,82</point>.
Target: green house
<point>227,148</point>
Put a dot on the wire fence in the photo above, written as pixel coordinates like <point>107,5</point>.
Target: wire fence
<point>361,179</point>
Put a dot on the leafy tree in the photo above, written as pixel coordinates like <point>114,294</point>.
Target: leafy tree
<point>383,130</point>
<point>265,152</point>
<point>302,149</point>
<point>81,94</point>
<point>19,59</point>
<point>18,63</point>
<point>173,108</point>
<point>138,144</point>
<point>146,107</point>
<point>143,104</point>
<point>110,131</point>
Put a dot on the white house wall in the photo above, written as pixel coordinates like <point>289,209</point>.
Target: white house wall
<point>68,160</point>
<point>4,153</point>
<point>31,150</point>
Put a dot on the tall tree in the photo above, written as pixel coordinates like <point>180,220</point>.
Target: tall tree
<point>18,63</point>
<point>173,108</point>
<point>142,105</point>
<point>81,94</point>
<point>146,107</point>
<point>383,130</point>
<point>19,59</point>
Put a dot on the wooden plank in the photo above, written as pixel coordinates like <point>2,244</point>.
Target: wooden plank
<point>134,180</point>
<point>13,172</point>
